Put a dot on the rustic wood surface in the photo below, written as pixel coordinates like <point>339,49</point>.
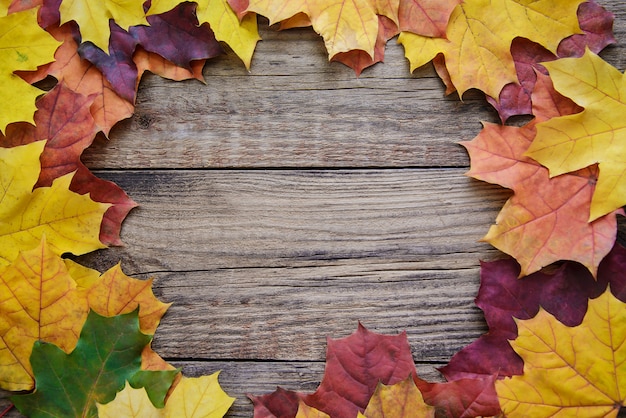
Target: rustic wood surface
<point>283,205</point>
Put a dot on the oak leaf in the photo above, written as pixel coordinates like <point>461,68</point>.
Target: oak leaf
<point>479,35</point>
<point>546,220</point>
<point>70,222</point>
<point>40,301</point>
<point>64,119</point>
<point>191,398</point>
<point>24,45</point>
<point>241,36</point>
<point>593,136</point>
<point>576,371</point>
<point>107,354</point>
<point>93,17</point>
<point>563,292</point>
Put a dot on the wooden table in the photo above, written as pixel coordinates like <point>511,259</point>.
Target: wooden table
<point>283,205</point>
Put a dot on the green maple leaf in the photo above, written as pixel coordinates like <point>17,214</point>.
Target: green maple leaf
<point>107,354</point>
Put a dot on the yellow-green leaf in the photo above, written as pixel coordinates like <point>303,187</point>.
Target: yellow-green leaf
<point>191,398</point>
<point>570,371</point>
<point>93,17</point>
<point>38,301</point>
<point>596,135</point>
<point>24,46</point>
<point>69,221</point>
<point>479,35</point>
<point>241,36</point>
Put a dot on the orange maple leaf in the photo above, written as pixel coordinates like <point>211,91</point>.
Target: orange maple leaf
<point>546,220</point>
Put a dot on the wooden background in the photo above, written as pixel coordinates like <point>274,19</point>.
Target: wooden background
<point>285,204</point>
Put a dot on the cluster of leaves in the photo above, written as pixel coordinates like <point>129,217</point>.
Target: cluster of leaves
<point>565,168</point>
<point>555,347</point>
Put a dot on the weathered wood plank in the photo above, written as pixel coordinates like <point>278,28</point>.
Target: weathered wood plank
<point>264,264</point>
<point>294,109</point>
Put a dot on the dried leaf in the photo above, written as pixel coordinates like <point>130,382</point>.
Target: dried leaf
<point>40,301</point>
<point>593,136</point>
<point>479,35</point>
<point>24,45</point>
<point>400,400</point>
<point>576,371</point>
<point>70,222</point>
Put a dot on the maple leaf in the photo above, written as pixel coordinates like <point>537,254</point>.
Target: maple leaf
<point>241,36</point>
<point>546,220</point>
<point>563,293</point>
<point>355,365</point>
<point>305,411</point>
<point>70,222</point>
<point>479,35</point>
<point>39,301</point>
<point>595,135</point>
<point>149,61</point>
<point>402,399</point>
<point>192,397</point>
<point>24,45</point>
<point>116,293</point>
<point>569,370</point>
<point>63,117</point>
<point>107,354</point>
<point>82,77</point>
<point>515,99</point>
<point>93,17</point>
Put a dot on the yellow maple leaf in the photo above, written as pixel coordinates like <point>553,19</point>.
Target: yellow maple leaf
<point>70,222</point>
<point>479,35</point>
<point>570,371</point>
<point>192,398</point>
<point>39,300</point>
<point>24,45</point>
<point>241,36</point>
<point>115,293</point>
<point>402,399</point>
<point>93,17</point>
<point>306,411</point>
<point>596,135</point>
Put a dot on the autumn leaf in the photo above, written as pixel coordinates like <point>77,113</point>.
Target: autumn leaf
<point>24,45</point>
<point>305,411</point>
<point>479,35</point>
<point>192,398</point>
<point>515,99</point>
<point>40,301</point>
<point>402,399</point>
<point>107,354</point>
<point>93,17</point>
<point>563,293</point>
<point>70,222</point>
<point>63,117</point>
<point>82,77</point>
<point>593,136</point>
<point>546,220</point>
<point>576,371</point>
<point>156,64</point>
<point>355,366</point>
<point>116,293</point>
<point>241,36</point>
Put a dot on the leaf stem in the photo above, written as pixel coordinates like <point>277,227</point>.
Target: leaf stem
<point>6,410</point>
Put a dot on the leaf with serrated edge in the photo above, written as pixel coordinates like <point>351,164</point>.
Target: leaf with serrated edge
<point>70,222</point>
<point>596,135</point>
<point>39,301</point>
<point>573,371</point>
<point>107,354</point>
<point>191,398</point>
<point>24,45</point>
<point>242,36</point>
<point>479,35</point>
